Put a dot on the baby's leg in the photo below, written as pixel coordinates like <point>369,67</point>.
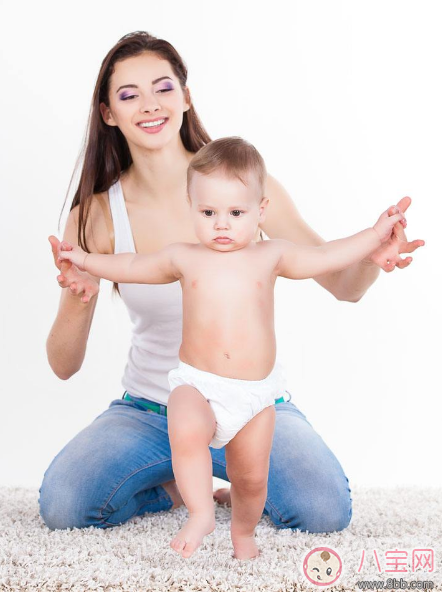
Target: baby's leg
<point>191,425</point>
<point>247,459</point>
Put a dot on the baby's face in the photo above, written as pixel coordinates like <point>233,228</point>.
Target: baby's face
<point>225,207</point>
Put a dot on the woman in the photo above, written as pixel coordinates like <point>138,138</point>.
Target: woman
<point>143,131</point>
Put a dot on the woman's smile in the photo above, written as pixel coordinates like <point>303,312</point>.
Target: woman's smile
<point>152,126</point>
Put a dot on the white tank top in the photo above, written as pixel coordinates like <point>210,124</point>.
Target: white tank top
<point>156,311</point>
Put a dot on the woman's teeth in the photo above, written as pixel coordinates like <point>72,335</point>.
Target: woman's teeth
<point>152,123</point>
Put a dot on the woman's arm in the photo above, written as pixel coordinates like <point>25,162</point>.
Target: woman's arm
<point>284,221</point>
<point>66,343</point>
<point>67,340</point>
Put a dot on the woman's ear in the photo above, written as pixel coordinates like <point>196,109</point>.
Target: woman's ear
<point>107,115</point>
<point>187,99</point>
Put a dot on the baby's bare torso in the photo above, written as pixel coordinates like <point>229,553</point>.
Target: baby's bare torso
<point>228,302</point>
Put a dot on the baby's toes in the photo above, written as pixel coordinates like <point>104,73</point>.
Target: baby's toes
<point>189,549</point>
<point>177,544</point>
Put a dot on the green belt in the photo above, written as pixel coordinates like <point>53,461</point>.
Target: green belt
<point>157,408</point>
<point>153,406</point>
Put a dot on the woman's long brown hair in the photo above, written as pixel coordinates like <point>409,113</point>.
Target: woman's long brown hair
<point>105,153</point>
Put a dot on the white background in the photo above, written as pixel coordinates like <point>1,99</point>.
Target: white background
<point>343,99</point>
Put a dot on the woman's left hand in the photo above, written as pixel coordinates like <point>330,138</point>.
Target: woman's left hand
<point>387,256</point>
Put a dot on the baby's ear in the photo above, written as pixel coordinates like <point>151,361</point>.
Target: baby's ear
<point>264,203</point>
<point>263,209</point>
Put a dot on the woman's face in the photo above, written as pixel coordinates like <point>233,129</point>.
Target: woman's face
<point>146,101</point>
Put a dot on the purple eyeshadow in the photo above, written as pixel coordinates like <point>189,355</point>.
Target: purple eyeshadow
<point>126,94</point>
<point>166,86</point>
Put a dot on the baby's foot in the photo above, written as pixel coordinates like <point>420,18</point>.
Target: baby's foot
<point>222,496</point>
<point>190,537</point>
<point>245,547</point>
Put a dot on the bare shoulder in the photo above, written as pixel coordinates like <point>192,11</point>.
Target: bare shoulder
<point>179,254</point>
<point>99,228</point>
<point>273,246</point>
<point>180,249</point>
<point>272,250</point>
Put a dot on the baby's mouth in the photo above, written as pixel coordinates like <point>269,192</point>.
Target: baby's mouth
<point>223,239</point>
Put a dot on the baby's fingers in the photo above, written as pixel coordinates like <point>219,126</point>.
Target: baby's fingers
<point>65,255</point>
<point>393,219</point>
<point>395,211</point>
<point>65,246</point>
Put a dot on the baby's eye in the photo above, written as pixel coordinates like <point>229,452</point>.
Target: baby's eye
<point>239,213</point>
<point>204,212</point>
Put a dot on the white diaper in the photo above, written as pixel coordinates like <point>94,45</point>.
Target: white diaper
<point>234,401</point>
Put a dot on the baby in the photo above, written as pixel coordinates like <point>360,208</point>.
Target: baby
<point>224,389</point>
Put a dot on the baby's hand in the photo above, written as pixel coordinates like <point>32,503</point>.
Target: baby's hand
<point>74,254</point>
<point>384,226</point>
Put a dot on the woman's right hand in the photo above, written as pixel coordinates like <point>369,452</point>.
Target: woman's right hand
<point>79,282</point>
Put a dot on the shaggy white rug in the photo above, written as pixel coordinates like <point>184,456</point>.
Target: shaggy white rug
<point>136,556</point>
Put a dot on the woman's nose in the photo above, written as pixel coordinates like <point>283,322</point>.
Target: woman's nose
<point>149,104</point>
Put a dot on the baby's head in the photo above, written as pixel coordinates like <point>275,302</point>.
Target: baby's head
<point>225,190</point>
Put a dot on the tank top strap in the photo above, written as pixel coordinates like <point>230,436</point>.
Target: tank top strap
<point>124,241</point>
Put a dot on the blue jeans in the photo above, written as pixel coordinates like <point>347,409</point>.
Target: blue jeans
<point>113,469</point>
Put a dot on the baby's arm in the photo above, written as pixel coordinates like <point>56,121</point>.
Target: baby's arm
<point>300,262</point>
<point>153,268</point>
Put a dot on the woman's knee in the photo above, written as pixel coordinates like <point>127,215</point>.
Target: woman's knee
<point>63,501</point>
<point>69,493</point>
<point>55,507</point>
<point>96,477</point>
<point>323,513</point>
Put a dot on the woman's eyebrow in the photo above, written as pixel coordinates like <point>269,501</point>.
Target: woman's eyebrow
<point>153,82</point>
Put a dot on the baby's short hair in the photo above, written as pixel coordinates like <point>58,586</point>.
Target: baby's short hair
<point>233,156</point>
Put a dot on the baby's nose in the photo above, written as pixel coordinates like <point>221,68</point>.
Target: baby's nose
<point>221,223</point>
